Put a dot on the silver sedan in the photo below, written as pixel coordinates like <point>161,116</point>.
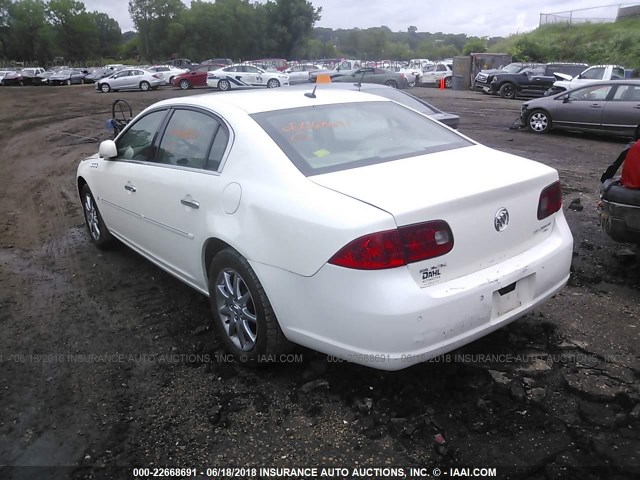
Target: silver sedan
<point>130,79</point>
<point>604,107</point>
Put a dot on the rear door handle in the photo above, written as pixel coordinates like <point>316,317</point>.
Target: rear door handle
<point>190,203</point>
<point>637,106</point>
<point>130,188</point>
<point>595,105</point>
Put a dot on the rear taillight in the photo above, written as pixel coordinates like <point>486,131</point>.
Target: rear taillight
<point>550,200</point>
<point>395,248</point>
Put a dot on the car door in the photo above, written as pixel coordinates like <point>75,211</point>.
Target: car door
<point>117,180</point>
<point>253,76</point>
<point>134,78</point>
<point>622,112</point>
<point>120,80</point>
<point>582,107</point>
<point>429,74</point>
<point>181,194</point>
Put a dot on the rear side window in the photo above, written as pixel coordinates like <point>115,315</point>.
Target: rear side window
<point>188,138</point>
<point>329,138</point>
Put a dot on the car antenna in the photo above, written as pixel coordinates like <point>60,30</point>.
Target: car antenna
<point>311,94</point>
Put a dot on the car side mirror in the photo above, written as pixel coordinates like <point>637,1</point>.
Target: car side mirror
<point>566,100</point>
<point>108,149</point>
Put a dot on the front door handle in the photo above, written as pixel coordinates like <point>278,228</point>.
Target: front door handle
<point>130,188</point>
<point>595,105</point>
<point>190,203</point>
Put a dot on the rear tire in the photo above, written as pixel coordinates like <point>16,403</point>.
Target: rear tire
<point>539,121</point>
<point>98,231</point>
<point>448,82</point>
<point>145,86</point>
<point>243,317</point>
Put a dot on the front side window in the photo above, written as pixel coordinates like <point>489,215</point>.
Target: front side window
<point>594,93</point>
<point>136,143</point>
<point>188,138</point>
<point>593,74</point>
<point>617,73</point>
<point>328,138</point>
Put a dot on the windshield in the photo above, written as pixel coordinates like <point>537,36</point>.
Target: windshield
<point>512,68</point>
<point>328,138</point>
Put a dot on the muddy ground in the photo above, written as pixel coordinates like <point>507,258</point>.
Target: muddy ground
<point>107,361</point>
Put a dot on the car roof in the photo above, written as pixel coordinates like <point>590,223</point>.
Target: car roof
<point>256,101</point>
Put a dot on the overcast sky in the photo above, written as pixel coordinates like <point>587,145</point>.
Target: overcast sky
<point>473,17</point>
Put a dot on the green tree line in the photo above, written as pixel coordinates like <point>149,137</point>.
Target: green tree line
<point>237,29</point>
<point>35,30</point>
<point>244,29</point>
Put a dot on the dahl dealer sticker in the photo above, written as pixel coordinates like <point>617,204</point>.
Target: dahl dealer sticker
<point>432,274</point>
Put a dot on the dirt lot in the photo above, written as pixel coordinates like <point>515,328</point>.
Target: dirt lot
<point>107,361</point>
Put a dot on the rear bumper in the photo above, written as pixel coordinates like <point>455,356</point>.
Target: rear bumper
<point>383,320</point>
<point>620,222</point>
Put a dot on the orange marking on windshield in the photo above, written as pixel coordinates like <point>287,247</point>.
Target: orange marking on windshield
<point>297,126</point>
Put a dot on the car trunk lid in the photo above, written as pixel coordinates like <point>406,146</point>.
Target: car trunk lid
<point>467,188</point>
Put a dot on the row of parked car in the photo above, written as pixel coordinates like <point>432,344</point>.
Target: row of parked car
<point>537,80</point>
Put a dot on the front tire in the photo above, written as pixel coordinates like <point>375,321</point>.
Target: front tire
<point>145,86</point>
<point>184,85</point>
<point>242,314</point>
<point>539,121</point>
<point>224,85</point>
<point>69,82</point>
<point>273,83</point>
<point>508,90</point>
<point>98,231</point>
<point>448,82</point>
<point>105,88</point>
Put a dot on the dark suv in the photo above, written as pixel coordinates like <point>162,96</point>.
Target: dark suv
<point>484,77</point>
<point>532,82</point>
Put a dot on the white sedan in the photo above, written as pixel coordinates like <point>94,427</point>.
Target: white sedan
<point>245,76</point>
<point>168,73</point>
<point>333,219</point>
<point>130,79</point>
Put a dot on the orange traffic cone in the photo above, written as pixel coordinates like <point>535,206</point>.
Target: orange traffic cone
<point>442,84</point>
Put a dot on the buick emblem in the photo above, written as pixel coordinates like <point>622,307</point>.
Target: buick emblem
<point>501,220</point>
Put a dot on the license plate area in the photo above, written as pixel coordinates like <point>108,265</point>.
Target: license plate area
<point>512,296</point>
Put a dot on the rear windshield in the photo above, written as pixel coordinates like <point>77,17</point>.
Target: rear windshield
<point>327,138</point>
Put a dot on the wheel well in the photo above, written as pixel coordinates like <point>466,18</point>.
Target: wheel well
<point>212,247</point>
<point>81,183</point>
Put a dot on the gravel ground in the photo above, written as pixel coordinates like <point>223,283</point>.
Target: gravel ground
<point>108,363</point>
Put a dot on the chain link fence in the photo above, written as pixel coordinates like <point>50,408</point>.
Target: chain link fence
<point>602,14</point>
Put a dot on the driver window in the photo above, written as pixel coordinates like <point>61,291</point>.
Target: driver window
<point>136,142</point>
<point>187,139</point>
<point>594,93</point>
<point>593,74</point>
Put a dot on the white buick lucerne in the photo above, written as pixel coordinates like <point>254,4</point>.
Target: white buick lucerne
<point>333,219</point>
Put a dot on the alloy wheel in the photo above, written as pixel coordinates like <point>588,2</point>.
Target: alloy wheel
<point>91,215</point>
<point>236,309</point>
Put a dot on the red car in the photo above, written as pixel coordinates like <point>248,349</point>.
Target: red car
<point>194,78</point>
